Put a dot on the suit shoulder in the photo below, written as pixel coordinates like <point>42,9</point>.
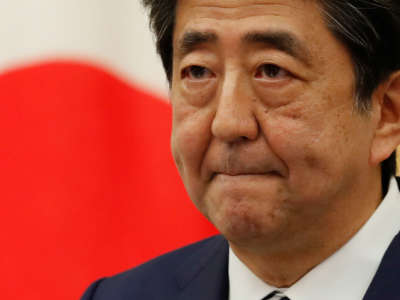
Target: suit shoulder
<point>171,260</point>
<point>155,278</point>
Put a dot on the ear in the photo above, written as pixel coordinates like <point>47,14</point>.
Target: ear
<point>386,106</point>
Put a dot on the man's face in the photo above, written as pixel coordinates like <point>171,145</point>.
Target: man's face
<point>265,134</point>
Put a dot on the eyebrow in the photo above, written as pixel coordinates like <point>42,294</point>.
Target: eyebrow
<point>281,40</point>
<point>193,39</point>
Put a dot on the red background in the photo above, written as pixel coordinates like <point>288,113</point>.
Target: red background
<point>87,181</point>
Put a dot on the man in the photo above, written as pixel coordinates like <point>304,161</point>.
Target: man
<point>285,121</point>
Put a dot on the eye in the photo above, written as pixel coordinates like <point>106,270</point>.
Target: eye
<point>197,73</point>
<point>271,72</point>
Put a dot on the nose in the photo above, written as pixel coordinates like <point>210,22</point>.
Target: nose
<point>234,118</point>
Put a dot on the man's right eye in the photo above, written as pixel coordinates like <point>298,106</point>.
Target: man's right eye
<point>196,73</point>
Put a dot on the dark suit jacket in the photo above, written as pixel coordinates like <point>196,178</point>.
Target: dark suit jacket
<point>200,271</point>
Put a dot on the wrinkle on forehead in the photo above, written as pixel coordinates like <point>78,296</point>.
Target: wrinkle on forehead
<point>240,8</point>
<point>240,3</point>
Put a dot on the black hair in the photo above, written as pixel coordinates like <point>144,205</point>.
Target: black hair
<point>162,23</point>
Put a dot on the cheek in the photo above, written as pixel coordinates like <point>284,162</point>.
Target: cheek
<point>289,130</point>
<point>318,147</point>
<point>189,139</point>
<point>304,139</point>
<point>305,130</point>
<point>298,146</point>
<point>293,142</point>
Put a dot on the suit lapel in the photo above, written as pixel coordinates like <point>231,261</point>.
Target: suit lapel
<point>205,274</point>
<point>386,281</point>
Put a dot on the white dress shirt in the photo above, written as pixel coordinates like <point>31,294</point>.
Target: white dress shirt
<point>345,275</point>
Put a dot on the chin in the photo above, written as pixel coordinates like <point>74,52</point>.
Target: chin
<point>247,225</point>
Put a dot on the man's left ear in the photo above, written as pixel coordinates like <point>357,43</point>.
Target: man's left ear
<point>386,106</point>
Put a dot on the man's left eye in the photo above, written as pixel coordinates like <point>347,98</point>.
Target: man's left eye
<point>270,71</point>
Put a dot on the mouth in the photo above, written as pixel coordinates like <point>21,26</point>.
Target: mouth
<point>245,174</point>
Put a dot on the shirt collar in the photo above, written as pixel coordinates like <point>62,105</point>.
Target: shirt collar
<point>345,275</point>
<point>243,284</point>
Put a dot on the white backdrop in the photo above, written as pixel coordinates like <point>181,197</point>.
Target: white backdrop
<point>112,33</point>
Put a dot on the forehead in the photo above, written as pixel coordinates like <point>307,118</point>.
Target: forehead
<point>243,8</point>
<point>238,17</point>
<point>240,10</point>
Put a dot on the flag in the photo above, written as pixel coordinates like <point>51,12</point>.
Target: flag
<point>87,180</point>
